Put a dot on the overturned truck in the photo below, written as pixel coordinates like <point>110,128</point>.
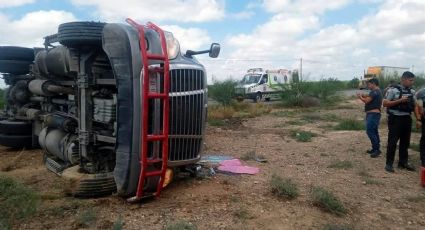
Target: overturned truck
<point>114,107</point>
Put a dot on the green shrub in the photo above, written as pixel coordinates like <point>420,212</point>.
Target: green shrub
<point>327,201</point>
<point>302,136</point>
<point>216,122</point>
<point>350,124</point>
<point>87,218</point>
<point>285,188</point>
<point>338,227</point>
<point>181,225</point>
<point>305,94</point>
<point>118,224</point>
<point>222,91</point>
<point>341,165</point>
<point>242,214</point>
<point>16,202</point>
<point>353,83</point>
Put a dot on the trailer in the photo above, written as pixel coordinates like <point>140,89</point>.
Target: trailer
<point>382,72</point>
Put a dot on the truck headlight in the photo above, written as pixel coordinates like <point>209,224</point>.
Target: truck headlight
<point>173,46</point>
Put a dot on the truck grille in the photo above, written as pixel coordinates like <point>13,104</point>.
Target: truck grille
<point>187,113</point>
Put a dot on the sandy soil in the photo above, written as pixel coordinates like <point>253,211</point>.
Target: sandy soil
<point>394,201</point>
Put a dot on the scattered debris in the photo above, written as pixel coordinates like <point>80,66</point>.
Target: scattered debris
<point>235,166</point>
<point>214,159</point>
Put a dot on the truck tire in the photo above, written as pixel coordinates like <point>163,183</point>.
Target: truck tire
<point>16,53</point>
<point>16,141</point>
<point>84,185</point>
<point>15,67</point>
<point>15,127</point>
<point>77,34</point>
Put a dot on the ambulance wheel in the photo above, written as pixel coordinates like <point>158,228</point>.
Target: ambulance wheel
<point>258,97</point>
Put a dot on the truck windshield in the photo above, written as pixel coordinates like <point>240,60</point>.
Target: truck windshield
<point>251,78</point>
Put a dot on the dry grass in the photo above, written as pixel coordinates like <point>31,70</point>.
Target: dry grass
<point>87,218</point>
<point>327,201</point>
<point>181,225</point>
<point>16,202</point>
<point>341,165</point>
<point>13,164</point>
<point>220,112</point>
<point>284,188</point>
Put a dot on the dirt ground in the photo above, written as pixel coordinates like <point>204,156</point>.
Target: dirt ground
<point>392,201</point>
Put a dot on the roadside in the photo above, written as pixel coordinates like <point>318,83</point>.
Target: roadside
<point>332,159</point>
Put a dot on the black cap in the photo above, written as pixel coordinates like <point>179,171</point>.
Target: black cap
<point>373,81</point>
<point>408,74</point>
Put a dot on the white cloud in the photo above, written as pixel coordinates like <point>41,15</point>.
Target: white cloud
<point>32,27</point>
<point>14,3</point>
<point>157,10</point>
<point>303,6</point>
<point>393,35</point>
<point>189,38</point>
<point>272,37</point>
<point>242,15</point>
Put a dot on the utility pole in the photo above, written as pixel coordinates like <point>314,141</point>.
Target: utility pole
<point>301,69</point>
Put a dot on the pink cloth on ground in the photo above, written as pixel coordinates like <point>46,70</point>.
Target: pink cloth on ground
<point>235,166</point>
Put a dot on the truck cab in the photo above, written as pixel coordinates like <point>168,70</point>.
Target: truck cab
<point>113,106</point>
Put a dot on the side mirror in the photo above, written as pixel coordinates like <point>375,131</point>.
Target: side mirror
<point>214,50</point>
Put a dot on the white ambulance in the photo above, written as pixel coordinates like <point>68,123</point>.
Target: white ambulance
<point>258,84</point>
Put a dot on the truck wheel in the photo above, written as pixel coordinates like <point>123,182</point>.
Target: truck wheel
<point>16,141</point>
<point>86,185</point>
<point>15,127</point>
<point>258,97</point>
<point>76,34</point>
<point>267,99</point>
<point>15,67</point>
<point>16,53</point>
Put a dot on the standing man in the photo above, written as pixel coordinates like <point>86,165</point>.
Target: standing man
<point>372,107</point>
<point>400,103</point>
<point>420,116</point>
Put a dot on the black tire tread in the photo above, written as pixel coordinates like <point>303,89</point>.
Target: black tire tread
<point>15,127</point>
<point>75,34</point>
<point>16,141</point>
<point>16,53</point>
<point>15,67</point>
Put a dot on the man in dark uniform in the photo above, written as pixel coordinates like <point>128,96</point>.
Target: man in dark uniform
<point>400,103</point>
<point>420,117</point>
<point>372,107</point>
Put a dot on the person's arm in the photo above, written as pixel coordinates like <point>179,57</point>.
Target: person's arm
<point>418,113</point>
<point>365,99</point>
<point>388,102</point>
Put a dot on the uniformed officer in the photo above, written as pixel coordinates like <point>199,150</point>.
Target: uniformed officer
<point>400,103</point>
<point>420,117</point>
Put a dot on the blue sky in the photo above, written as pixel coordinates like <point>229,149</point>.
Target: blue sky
<point>337,38</point>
